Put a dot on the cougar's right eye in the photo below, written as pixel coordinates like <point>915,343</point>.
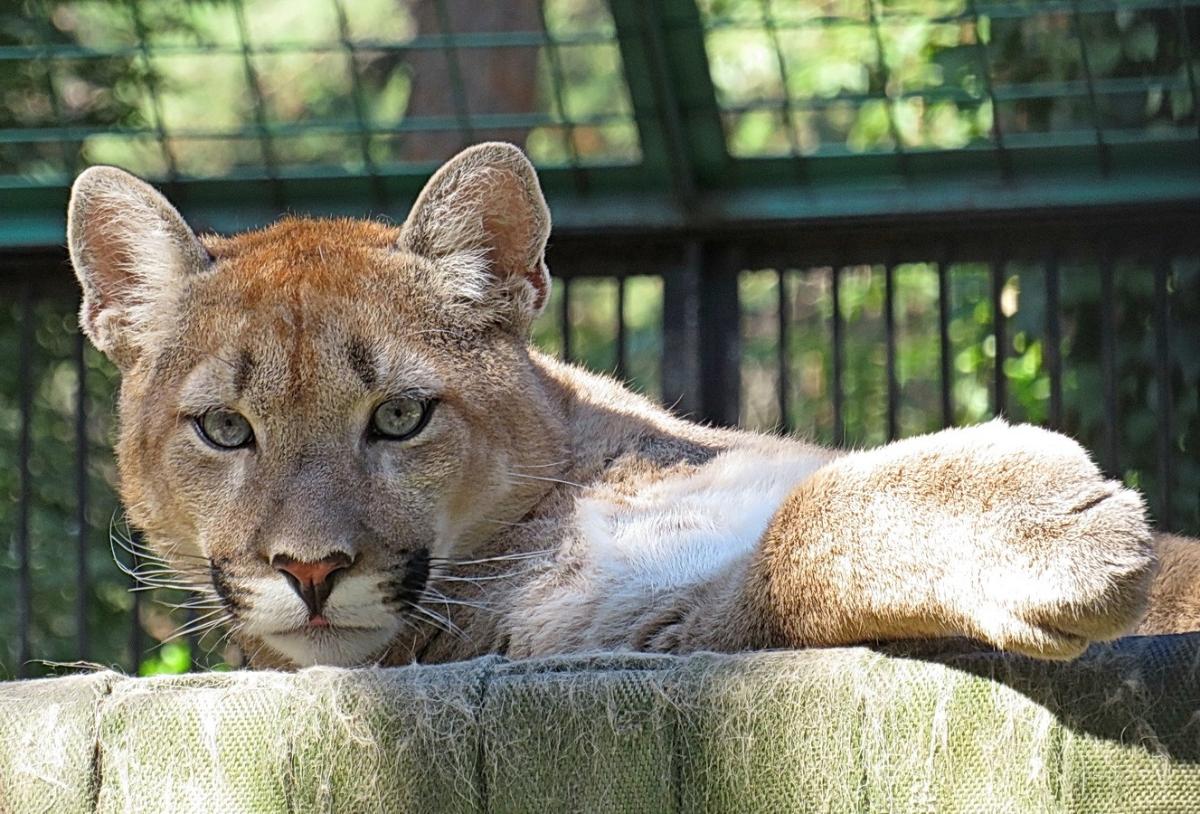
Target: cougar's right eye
<point>225,429</point>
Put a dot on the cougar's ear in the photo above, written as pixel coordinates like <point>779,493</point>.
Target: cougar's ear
<point>132,253</point>
<point>483,221</point>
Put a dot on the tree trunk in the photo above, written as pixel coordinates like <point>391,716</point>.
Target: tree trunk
<point>461,82</point>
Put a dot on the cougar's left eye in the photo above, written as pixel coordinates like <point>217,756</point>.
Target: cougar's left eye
<point>401,418</point>
<point>225,429</point>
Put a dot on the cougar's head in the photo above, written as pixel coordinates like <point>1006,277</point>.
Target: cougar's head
<point>314,412</point>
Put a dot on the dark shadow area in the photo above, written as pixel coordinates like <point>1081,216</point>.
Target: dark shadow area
<point>1140,691</point>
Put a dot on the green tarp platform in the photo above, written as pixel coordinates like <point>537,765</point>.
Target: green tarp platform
<point>852,729</point>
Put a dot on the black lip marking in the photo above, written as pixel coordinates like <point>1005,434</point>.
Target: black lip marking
<point>407,586</point>
<point>222,586</point>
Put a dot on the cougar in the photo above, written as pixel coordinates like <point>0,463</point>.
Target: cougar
<point>337,433</point>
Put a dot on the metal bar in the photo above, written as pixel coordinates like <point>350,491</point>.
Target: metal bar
<point>839,424</point>
<point>994,10</point>
<point>564,317</point>
<point>82,529</point>
<point>889,331</point>
<point>135,627</point>
<point>151,85</point>
<point>1054,342</point>
<point>720,335</point>
<point>682,171</point>
<point>788,113</point>
<point>192,640</point>
<point>468,40</point>
<point>260,105</point>
<point>1162,374</point>
<point>881,57</point>
<point>378,188</point>
<point>681,331</point>
<point>416,124</point>
<point>557,82</point>
<point>1108,360</point>
<point>458,88</point>
<point>1024,91</point>
<point>25,352</point>
<point>1000,336</point>
<point>534,39</point>
<point>783,353</point>
<point>620,328</point>
<point>68,155</point>
<point>1101,147</point>
<point>944,348</point>
<point>985,64</point>
<point>1185,49</point>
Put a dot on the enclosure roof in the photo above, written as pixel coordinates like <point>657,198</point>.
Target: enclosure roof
<point>668,116</point>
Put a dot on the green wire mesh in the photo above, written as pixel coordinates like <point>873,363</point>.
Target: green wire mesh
<point>862,76</point>
<point>267,89</point>
<point>651,104</point>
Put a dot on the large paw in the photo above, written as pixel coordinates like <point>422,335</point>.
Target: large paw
<point>1079,561</point>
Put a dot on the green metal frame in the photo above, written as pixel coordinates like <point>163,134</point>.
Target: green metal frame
<point>686,180</point>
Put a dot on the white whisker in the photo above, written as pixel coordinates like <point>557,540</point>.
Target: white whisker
<point>547,480</point>
<point>438,620</point>
<point>521,555</point>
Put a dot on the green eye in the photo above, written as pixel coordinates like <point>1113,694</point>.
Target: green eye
<point>398,419</point>
<point>225,429</point>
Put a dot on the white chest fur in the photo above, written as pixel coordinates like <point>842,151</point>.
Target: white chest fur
<point>683,529</point>
<point>675,532</point>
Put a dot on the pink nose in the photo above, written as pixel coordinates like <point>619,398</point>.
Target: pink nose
<point>312,581</point>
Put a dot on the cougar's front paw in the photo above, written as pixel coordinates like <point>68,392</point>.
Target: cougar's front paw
<point>1081,559</point>
<point>1083,574</point>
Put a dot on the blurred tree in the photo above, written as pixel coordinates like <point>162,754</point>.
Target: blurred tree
<point>454,83</point>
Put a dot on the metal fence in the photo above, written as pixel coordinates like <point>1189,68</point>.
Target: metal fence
<point>725,308</point>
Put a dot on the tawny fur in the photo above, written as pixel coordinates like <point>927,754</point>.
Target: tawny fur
<point>563,512</point>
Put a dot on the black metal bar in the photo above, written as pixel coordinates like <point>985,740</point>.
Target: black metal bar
<point>192,640</point>
<point>1054,342</point>
<point>720,339</point>
<point>1162,374</point>
<point>621,328</point>
<point>839,424</point>
<point>889,332</point>
<point>681,331</point>
<point>1086,63</point>
<point>378,188</point>
<point>1185,49</point>
<point>135,627</point>
<point>151,83</point>
<point>885,71</point>
<point>772,31</point>
<point>265,143</point>
<point>1000,335</point>
<point>82,529</point>
<point>557,83</point>
<point>564,317</point>
<point>944,349</point>
<point>1108,360</point>
<point>70,164</point>
<point>782,352</point>
<point>458,88</point>
<point>25,352</point>
<point>985,69</point>
<point>683,170</point>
